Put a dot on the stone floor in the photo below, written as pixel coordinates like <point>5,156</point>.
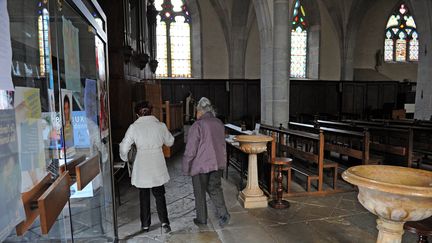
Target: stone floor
<point>334,218</point>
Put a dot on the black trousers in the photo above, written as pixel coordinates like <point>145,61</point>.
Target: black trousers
<point>145,215</point>
<point>210,183</point>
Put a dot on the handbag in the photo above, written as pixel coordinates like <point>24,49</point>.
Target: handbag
<point>131,158</point>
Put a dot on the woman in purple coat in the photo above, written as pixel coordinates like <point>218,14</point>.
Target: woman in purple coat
<point>205,159</point>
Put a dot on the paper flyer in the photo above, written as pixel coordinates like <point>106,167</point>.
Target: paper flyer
<point>29,124</point>
<point>6,49</point>
<point>71,55</point>
<point>91,100</point>
<point>80,132</point>
<point>11,207</point>
<point>68,135</point>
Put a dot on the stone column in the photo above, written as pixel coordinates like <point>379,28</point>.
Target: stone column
<point>423,102</point>
<point>281,61</point>
<point>264,20</point>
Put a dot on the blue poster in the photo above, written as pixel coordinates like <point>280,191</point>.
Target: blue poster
<point>81,133</point>
<point>11,207</point>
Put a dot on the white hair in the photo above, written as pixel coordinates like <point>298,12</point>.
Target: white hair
<point>204,105</point>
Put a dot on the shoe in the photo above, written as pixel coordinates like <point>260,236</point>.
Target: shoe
<point>145,229</point>
<point>166,228</point>
<point>198,222</point>
<point>224,220</point>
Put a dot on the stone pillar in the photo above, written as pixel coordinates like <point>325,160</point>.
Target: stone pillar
<point>281,61</point>
<point>423,102</point>
<point>264,21</point>
<point>266,83</point>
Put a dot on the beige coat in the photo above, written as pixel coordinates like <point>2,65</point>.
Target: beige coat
<point>149,135</point>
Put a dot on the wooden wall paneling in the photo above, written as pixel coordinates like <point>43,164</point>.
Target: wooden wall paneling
<point>237,104</point>
<point>372,97</point>
<point>253,103</point>
<point>359,99</point>
<point>221,99</point>
<point>347,98</point>
<point>388,93</point>
<point>331,98</point>
<point>295,97</point>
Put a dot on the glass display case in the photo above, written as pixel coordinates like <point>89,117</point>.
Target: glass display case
<point>54,125</point>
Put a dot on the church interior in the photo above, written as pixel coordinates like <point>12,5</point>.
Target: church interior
<point>326,107</point>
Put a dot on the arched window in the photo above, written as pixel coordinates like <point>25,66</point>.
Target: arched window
<point>299,42</point>
<point>173,39</point>
<point>401,37</point>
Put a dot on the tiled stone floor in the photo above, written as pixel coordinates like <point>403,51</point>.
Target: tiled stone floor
<point>333,218</point>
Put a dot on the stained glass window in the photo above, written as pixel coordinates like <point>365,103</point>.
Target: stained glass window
<point>401,37</point>
<point>299,42</point>
<point>173,39</point>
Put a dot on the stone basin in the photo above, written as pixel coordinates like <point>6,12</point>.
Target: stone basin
<point>253,144</point>
<point>395,194</point>
<point>252,196</point>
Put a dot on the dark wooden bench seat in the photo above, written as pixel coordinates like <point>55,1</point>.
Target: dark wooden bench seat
<point>307,151</point>
<point>297,167</point>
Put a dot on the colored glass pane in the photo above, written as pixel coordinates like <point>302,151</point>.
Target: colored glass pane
<point>161,49</point>
<point>158,4</point>
<point>177,4</point>
<point>392,21</point>
<point>299,42</point>
<point>298,54</point>
<point>180,48</point>
<point>402,9</point>
<point>410,22</point>
<point>414,48</point>
<point>174,51</point>
<point>388,50</point>
<point>401,36</point>
<point>400,50</point>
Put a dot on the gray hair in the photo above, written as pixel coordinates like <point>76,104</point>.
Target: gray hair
<point>204,105</point>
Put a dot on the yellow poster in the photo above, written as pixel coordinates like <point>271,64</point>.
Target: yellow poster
<point>29,126</point>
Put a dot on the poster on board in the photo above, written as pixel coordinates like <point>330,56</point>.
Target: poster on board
<point>71,55</point>
<point>11,207</point>
<point>29,124</point>
<point>68,149</point>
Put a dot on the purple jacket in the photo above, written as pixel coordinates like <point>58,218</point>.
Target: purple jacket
<point>205,149</point>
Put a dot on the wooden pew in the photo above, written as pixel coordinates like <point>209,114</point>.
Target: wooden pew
<point>354,144</point>
<point>383,140</point>
<point>302,147</point>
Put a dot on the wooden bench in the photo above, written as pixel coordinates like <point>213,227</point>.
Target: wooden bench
<point>302,147</point>
<point>354,144</point>
<point>383,140</point>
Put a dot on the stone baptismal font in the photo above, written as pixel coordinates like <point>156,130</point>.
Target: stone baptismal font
<point>252,196</point>
<point>395,194</point>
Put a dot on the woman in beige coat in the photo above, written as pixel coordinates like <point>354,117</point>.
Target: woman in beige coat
<point>149,171</point>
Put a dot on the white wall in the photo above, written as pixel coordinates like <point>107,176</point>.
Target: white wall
<point>370,38</point>
<point>329,48</point>
<point>214,49</point>
<point>253,56</point>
